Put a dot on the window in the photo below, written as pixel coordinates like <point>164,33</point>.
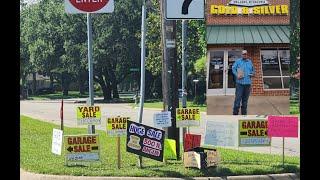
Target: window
<point>275,68</point>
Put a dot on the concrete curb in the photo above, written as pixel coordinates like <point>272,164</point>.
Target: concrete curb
<point>33,176</point>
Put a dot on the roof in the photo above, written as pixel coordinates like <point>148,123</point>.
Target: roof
<point>275,34</point>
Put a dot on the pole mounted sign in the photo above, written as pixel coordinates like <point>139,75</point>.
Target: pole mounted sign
<point>184,9</point>
<point>89,6</point>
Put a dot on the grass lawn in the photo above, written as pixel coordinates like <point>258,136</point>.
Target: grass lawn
<point>159,104</point>
<point>294,107</point>
<point>36,156</point>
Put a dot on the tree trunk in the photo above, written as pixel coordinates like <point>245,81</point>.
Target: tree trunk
<point>64,84</point>
<point>51,81</point>
<point>81,82</point>
<point>105,90</point>
<point>34,83</point>
<point>114,87</point>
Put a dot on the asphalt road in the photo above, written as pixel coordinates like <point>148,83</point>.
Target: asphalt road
<point>50,111</point>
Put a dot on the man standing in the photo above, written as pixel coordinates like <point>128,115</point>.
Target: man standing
<point>243,71</point>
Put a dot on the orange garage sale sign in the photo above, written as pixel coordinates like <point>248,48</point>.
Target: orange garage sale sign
<point>82,148</point>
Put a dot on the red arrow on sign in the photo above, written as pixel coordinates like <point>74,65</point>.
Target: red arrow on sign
<point>89,5</point>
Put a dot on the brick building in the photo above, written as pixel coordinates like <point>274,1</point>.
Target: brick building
<point>259,26</point>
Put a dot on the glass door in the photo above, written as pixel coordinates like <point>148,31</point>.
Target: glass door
<point>216,73</point>
<point>230,79</point>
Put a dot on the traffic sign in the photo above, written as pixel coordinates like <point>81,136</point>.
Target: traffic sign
<point>134,69</point>
<point>89,6</point>
<point>185,9</point>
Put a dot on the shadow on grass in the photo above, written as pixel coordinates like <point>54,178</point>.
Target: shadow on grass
<point>206,172</point>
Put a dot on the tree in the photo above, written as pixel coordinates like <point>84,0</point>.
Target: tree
<point>116,45</point>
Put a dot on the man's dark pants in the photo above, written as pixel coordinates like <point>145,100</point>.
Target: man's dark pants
<point>242,96</point>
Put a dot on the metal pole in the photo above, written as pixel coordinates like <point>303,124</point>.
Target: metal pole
<point>143,54</point>
<point>184,75</point>
<point>91,128</point>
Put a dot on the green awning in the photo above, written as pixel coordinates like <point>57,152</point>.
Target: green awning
<point>275,34</point>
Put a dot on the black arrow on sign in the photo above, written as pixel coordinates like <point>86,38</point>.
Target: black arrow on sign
<point>185,6</point>
<point>70,149</point>
<point>94,147</point>
<point>243,133</point>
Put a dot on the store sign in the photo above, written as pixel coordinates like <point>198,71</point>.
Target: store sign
<point>253,133</point>
<point>249,7</point>
<point>249,3</point>
<point>145,140</point>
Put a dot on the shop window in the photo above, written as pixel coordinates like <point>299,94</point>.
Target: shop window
<point>275,68</point>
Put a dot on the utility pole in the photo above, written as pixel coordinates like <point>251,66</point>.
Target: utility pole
<point>170,74</point>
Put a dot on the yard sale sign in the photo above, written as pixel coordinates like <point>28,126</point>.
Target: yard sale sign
<point>80,148</point>
<point>88,115</point>
<point>117,126</point>
<point>188,117</point>
<point>145,140</point>
<point>253,132</point>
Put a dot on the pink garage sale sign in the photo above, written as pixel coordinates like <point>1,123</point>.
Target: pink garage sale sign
<point>282,126</point>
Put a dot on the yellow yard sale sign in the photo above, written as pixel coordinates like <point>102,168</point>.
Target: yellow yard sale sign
<point>88,115</point>
<point>82,147</point>
<point>253,132</point>
<point>117,126</point>
<point>187,117</point>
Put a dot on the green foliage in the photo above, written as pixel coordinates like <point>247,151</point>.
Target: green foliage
<point>36,156</point>
<point>200,66</point>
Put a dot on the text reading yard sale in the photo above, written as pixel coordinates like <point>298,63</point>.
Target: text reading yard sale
<point>87,115</point>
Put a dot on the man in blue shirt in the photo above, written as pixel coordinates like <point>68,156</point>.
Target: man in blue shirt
<point>243,71</point>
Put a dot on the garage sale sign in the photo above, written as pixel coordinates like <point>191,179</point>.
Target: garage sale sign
<point>80,148</point>
<point>117,126</point>
<point>145,140</point>
<point>89,6</point>
<point>253,132</point>
<point>88,115</point>
<point>187,117</point>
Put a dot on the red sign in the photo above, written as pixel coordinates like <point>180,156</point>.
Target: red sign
<point>89,5</point>
<point>191,141</point>
<point>282,126</point>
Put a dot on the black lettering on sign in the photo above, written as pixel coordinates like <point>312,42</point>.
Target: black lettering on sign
<point>185,6</point>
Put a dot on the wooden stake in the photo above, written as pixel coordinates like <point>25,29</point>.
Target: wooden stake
<point>118,150</point>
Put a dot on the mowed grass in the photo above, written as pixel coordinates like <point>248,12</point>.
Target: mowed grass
<point>294,107</point>
<point>36,156</point>
<point>159,105</point>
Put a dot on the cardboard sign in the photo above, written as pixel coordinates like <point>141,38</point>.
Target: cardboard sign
<point>187,117</point>
<point>201,158</point>
<point>145,140</point>
<point>253,133</point>
<point>170,149</point>
<point>162,119</point>
<point>282,126</point>
<point>191,159</point>
<point>82,147</point>
<point>56,141</point>
<point>220,134</point>
<point>88,115</point>
<point>117,126</point>
<point>191,141</point>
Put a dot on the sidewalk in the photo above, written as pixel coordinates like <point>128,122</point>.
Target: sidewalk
<point>24,175</point>
<point>264,105</point>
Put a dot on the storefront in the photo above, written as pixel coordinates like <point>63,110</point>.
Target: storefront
<point>259,26</point>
